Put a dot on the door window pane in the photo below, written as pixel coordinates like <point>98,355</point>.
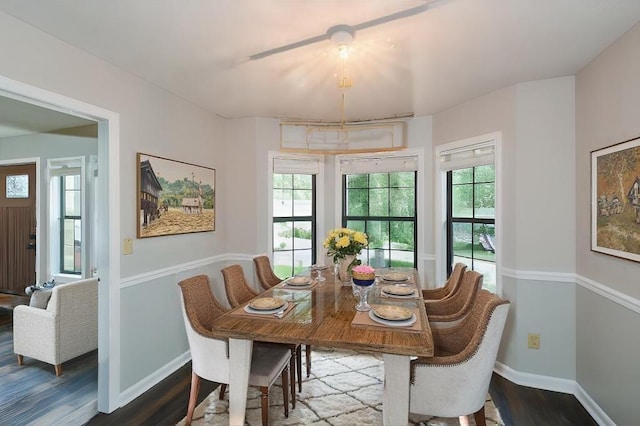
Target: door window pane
<point>17,186</point>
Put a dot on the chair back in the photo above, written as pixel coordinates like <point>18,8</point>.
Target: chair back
<point>450,287</point>
<point>459,303</point>
<point>456,380</point>
<point>238,290</point>
<point>209,355</point>
<point>266,277</point>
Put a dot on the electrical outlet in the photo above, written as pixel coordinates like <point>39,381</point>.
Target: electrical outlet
<point>533,341</point>
<point>127,246</point>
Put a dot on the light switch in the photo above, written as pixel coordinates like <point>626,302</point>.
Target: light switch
<point>127,246</point>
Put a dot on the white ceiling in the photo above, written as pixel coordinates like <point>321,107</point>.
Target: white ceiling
<point>454,51</point>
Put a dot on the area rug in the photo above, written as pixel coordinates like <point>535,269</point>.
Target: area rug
<point>345,388</point>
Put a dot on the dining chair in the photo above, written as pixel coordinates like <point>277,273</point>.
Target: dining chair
<point>209,355</point>
<point>267,279</point>
<point>451,310</point>
<point>455,381</point>
<point>450,287</point>
<point>238,293</point>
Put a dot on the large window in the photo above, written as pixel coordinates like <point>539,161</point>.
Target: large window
<point>294,222</point>
<point>383,205</point>
<point>71,224</point>
<point>471,220</point>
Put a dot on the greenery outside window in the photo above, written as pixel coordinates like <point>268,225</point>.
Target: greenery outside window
<point>294,223</point>
<point>71,224</point>
<point>383,205</point>
<point>471,221</point>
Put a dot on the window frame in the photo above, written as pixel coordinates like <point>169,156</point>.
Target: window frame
<point>64,217</point>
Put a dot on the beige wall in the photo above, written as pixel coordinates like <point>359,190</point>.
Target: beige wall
<point>608,321</point>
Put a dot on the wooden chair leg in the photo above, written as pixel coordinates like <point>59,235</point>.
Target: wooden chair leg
<point>292,382</point>
<point>223,388</point>
<point>285,392</point>
<point>299,366</point>
<point>58,368</point>
<point>193,397</point>
<point>307,352</point>
<point>480,417</point>
<point>264,403</point>
<point>20,360</point>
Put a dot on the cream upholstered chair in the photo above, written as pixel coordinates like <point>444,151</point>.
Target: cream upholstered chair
<point>209,359</point>
<point>238,293</point>
<point>450,287</point>
<point>455,381</point>
<point>267,279</point>
<point>451,310</point>
<point>66,329</point>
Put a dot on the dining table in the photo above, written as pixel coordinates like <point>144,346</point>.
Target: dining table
<point>320,310</point>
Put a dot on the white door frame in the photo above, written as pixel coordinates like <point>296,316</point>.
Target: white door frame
<point>108,232</point>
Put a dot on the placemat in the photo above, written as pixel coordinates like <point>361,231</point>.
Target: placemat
<point>241,312</point>
<point>298,287</point>
<point>362,319</point>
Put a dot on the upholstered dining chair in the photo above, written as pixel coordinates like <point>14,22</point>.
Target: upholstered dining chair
<point>450,287</point>
<point>455,381</point>
<point>267,279</point>
<point>238,293</point>
<point>209,355</point>
<point>451,310</point>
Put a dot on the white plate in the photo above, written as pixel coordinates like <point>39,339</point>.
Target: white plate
<point>404,323</point>
<point>399,290</point>
<point>299,281</point>
<point>248,309</point>
<point>395,276</point>
<point>266,303</point>
<point>392,313</point>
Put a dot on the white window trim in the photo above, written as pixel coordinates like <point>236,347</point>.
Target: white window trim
<point>481,143</point>
<point>315,166</point>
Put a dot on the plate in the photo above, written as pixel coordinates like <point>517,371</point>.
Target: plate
<point>266,303</point>
<point>248,309</point>
<point>392,313</point>
<point>405,323</point>
<point>299,281</point>
<point>319,267</point>
<point>398,290</point>
<point>395,276</point>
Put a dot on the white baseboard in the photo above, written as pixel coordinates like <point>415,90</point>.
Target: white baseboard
<point>594,409</point>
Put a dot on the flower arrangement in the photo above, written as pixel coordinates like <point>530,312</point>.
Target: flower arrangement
<point>343,242</point>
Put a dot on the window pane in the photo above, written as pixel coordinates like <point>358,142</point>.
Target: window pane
<point>402,179</point>
<point>302,203</point>
<point>379,180</point>
<point>282,264</point>
<point>485,173</point>
<point>402,259</point>
<point>356,225</point>
<point>484,241</point>
<point>282,206</point>
<point>462,240</point>
<point>357,202</point>
<point>378,258</point>
<point>485,200</point>
<point>302,181</point>
<point>72,182</point>
<point>17,186</point>
<point>402,235</point>
<point>378,233</point>
<point>379,202</point>
<point>72,203</point>
<point>462,175</point>
<point>71,247</point>
<point>402,202</point>
<point>302,235</point>
<point>462,200</point>
<point>301,260</point>
<point>357,181</point>
<point>283,236</point>
<point>282,181</point>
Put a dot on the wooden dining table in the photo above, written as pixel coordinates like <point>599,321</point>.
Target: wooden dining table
<point>323,313</point>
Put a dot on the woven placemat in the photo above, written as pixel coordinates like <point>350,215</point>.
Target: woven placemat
<point>362,319</point>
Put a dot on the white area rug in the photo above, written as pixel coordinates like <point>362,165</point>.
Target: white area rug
<point>345,389</point>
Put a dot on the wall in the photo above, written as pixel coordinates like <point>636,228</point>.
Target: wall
<point>607,303</point>
<point>152,121</point>
<point>535,119</point>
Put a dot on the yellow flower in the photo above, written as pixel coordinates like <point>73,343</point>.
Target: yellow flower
<point>343,242</point>
<point>360,237</point>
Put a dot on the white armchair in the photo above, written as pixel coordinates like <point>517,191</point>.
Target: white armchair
<point>66,329</point>
<point>455,381</point>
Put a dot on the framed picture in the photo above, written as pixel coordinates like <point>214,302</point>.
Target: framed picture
<point>615,200</point>
<point>174,197</point>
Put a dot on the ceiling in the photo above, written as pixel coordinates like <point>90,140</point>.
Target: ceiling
<point>452,52</point>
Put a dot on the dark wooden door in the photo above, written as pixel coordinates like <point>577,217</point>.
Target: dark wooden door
<point>17,227</point>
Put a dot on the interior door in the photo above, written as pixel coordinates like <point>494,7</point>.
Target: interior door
<point>17,227</point>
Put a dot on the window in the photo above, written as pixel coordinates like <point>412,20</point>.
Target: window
<point>471,220</point>
<point>71,224</point>
<point>383,205</point>
<point>294,222</point>
<point>17,186</point>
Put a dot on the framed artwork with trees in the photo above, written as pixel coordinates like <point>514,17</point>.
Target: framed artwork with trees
<point>173,197</point>
<point>615,200</point>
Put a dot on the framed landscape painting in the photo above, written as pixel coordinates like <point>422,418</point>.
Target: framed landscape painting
<point>173,197</point>
<point>615,200</point>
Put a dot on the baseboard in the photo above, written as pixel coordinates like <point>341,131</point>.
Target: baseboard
<point>556,385</point>
<point>153,379</point>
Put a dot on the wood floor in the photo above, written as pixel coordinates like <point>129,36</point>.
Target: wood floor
<point>36,392</point>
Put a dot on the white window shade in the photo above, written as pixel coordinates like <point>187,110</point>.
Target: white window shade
<point>302,165</point>
<point>65,166</point>
<point>479,154</point>
<point>381,164</point>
